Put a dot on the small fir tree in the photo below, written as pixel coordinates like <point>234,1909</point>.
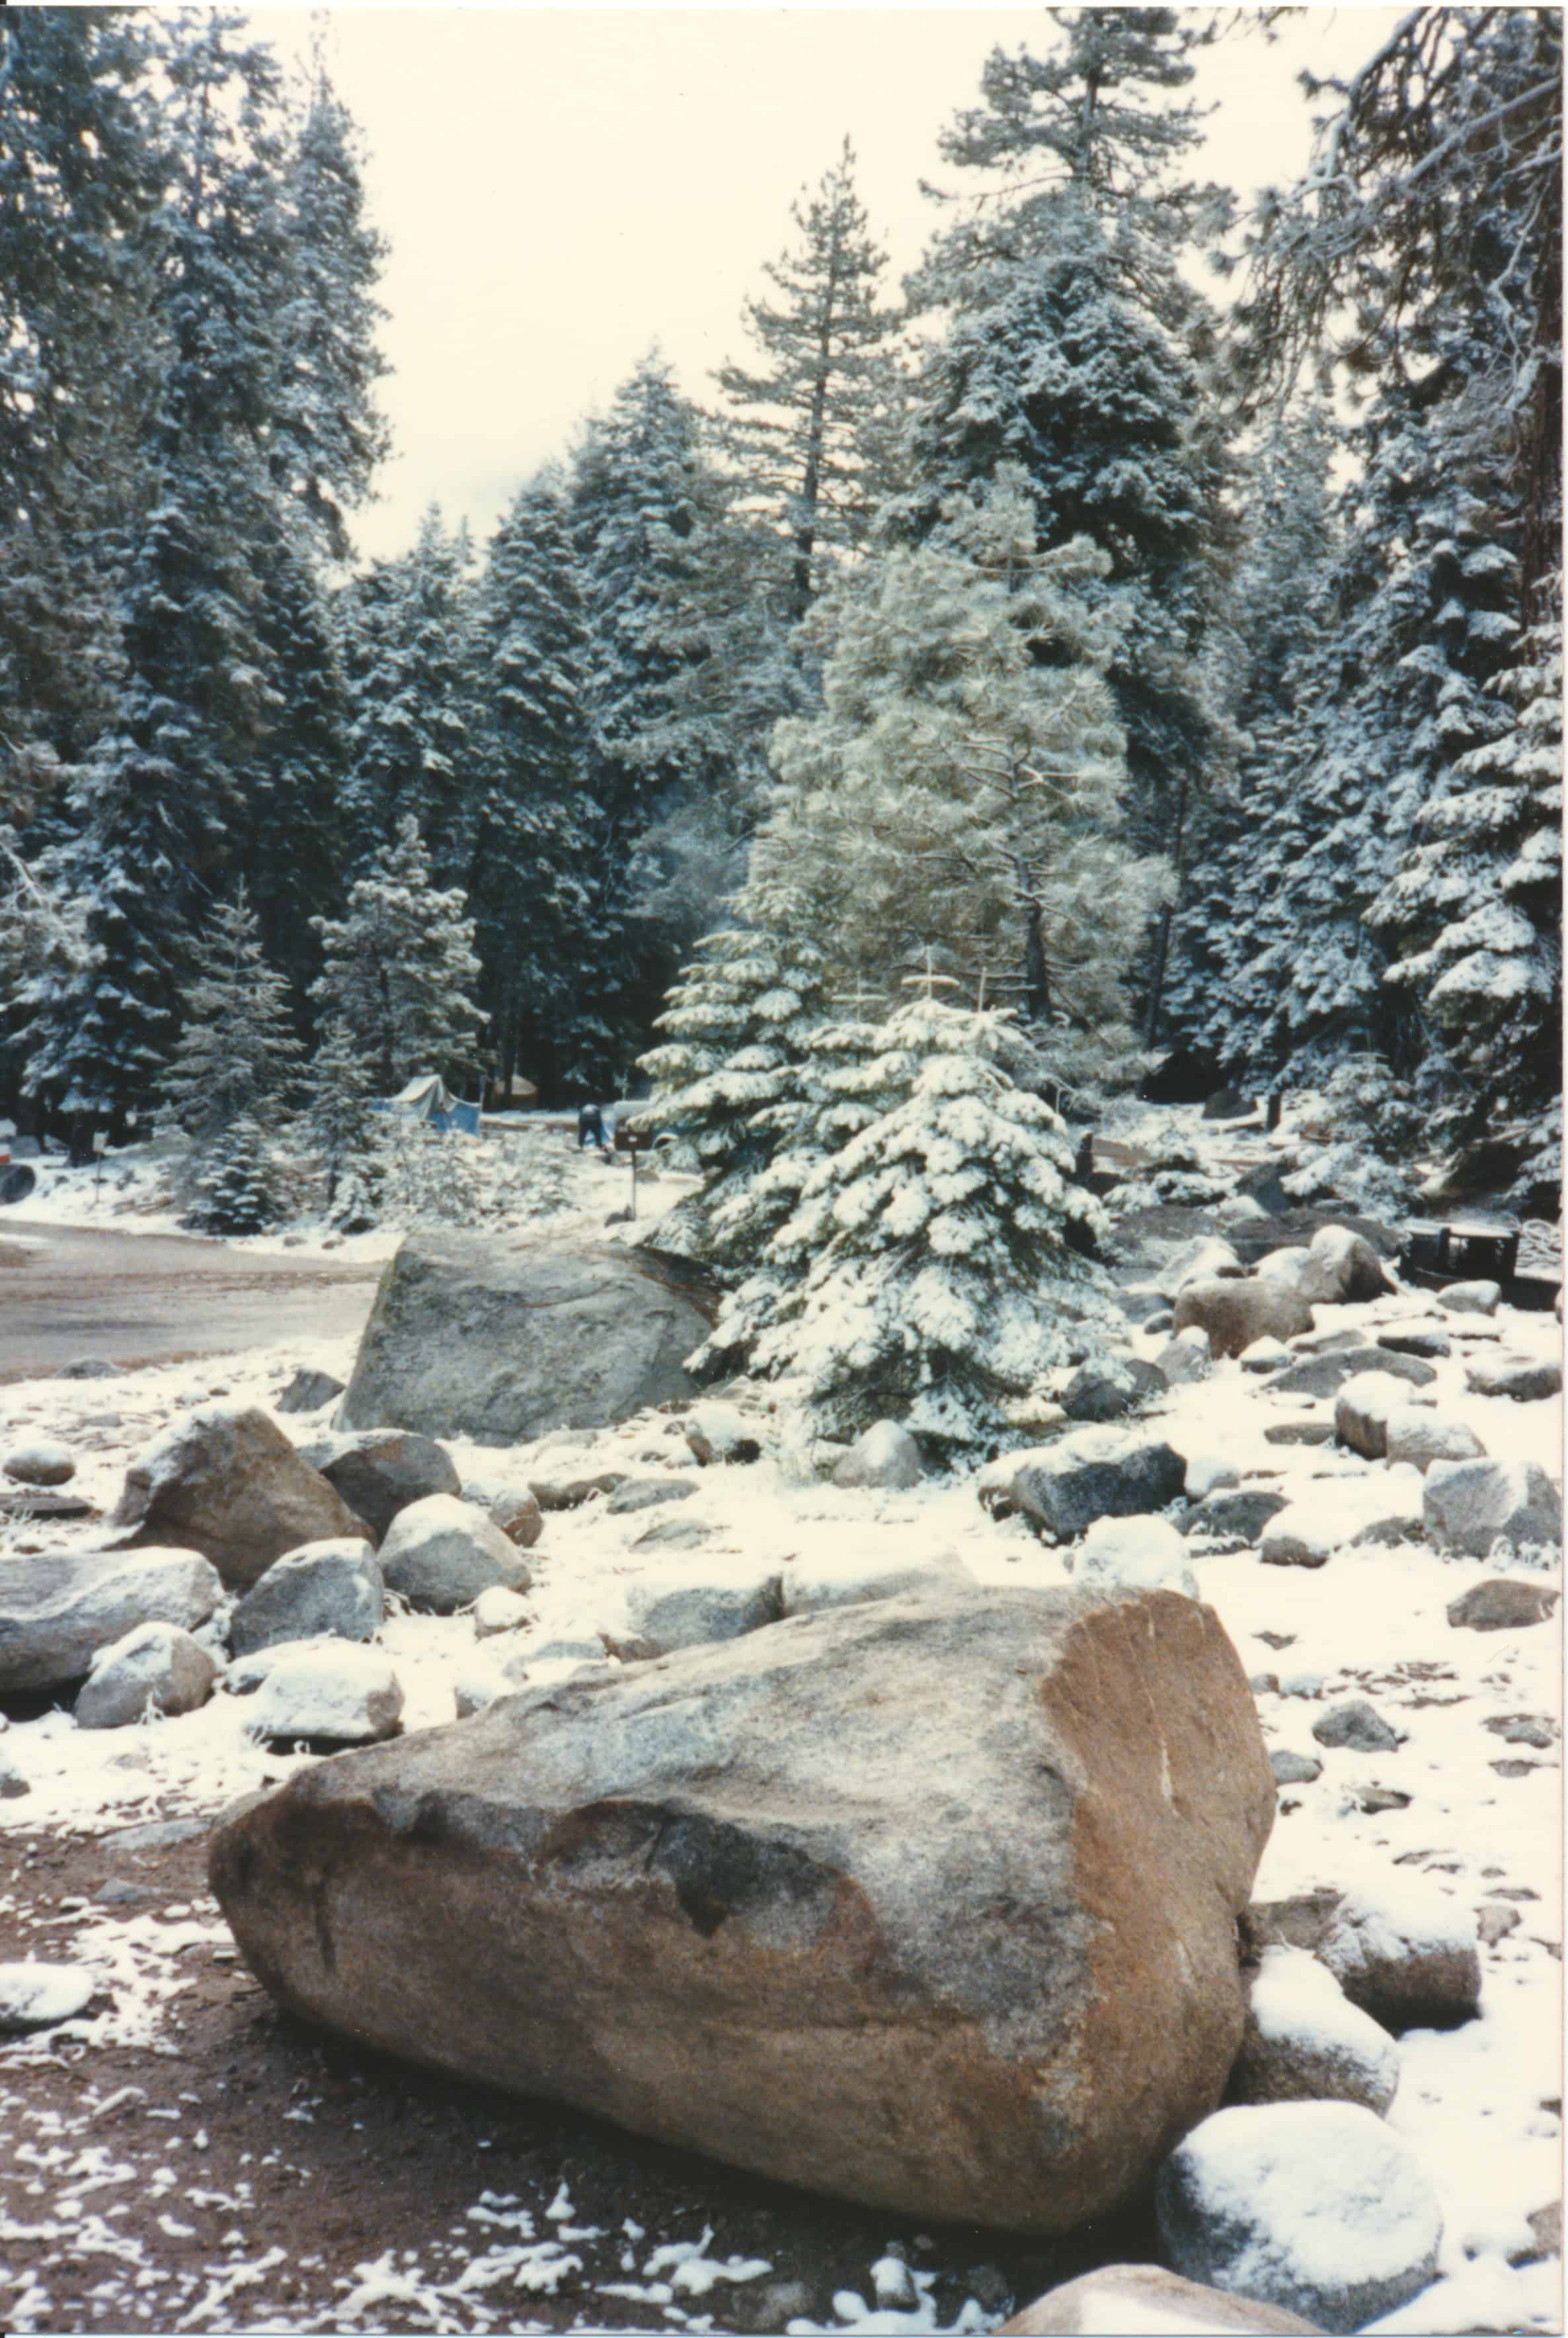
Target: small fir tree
<point>739,1027</point>
<point>237,1055</point>
<point>399,966</point>
<point>341,1128</point>
<point>235,1192</point>
<point>938,1253</point>
<point>832,1095</point>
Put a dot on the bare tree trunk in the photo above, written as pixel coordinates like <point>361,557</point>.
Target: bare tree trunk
<point>1036,977</point>
<point>1162,939</point>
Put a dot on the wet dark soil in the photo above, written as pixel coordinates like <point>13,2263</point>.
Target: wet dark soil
<point>325,2157</point>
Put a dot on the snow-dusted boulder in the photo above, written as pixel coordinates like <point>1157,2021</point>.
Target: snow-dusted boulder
<point>1312,2206</point>
<point>331,1693</point>
<point>1527,1380</point>
<point>1133,1554</point>
<point>498,1610</point>
<point>440,1554</point>
<point>227,1482</point>
<point>41,1461</point>
<point>325,1588</point>
<point>1265,1355</point>
<point>157,1668</point>
<point>1186,1358</point>
<point>810,1585</point>
<point>1326,1373</point>
<point>1415,1337</point>
<point>1470,1504</point>
<point>1306,2042</point>
<point>1208,1473</point>
<point>1356,1724</point>
<point>1097,1473</point>
<point>1340,1268</point>
<point>720,1433</point>
<point>58,1609</point>
<point>1361,1412</point>
<point>1283,1266</point>
<point>828,1845</point>
<point>1204,1259</point>
<point>307,1391</point>
<point>38,1996</point>
<point>509,1504</point>
<point>1343,1513</point>
<point>1503,1603</point>
<point>502,1337</point>
<point>1108,1387</point>
<point>1236,1515</point>
<point>1129,2298</point>
<point>1419,1437</point>
<point>646,1493</point>
<point>1403,1951</point>
<point>885,1455</point>
<point>1471,1297</point>
<point>1236,1310</point>
<point>710,1599</point>
<point>380,1472</point>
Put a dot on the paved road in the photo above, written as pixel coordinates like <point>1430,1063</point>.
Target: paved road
<point>146,1299</point>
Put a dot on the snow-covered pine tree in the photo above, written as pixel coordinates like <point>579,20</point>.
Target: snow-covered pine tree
<point>408,626</point>
<point>399,966</point>
<point>964,779</point>
<point>648,511</point>
<point>812,421</point>
<point>236,1057</point>
<point>159,791</point>
<point>728,1076</point>
<point>547,939</point>
<point>288,834</point>
<point>235,1189</point>
<point>833,1093</point>
<point>1422,252</point>
<point>80,175</point>
<point>327,434</point>
<point>340,1126</point>
<point>1243,839</point>
<point>1423,627</point>
<point>1475,910</point>
<point>1076,348</point>
<point>937,1276</point>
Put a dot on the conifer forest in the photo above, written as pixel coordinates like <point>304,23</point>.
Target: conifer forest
<point>780,1180</point>
<point>1146,615</point>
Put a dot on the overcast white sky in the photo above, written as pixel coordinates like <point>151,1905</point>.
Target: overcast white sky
<point>564,186</point>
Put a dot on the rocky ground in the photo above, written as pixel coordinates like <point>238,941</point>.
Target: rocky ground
<point>175,2154</point>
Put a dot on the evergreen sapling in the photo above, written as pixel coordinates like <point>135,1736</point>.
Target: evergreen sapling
<point>939,1253</point>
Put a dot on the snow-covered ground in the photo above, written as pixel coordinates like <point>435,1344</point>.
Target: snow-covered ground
<point>1479,2106</point>
<point>523,1170</point>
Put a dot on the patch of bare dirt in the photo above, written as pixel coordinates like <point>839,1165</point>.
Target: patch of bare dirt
<point>301,2179</point>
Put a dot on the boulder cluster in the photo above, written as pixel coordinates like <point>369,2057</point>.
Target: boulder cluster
<point>850,1869</point>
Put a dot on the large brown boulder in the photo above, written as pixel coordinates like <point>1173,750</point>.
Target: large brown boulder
<point>501,1339</point>
<point>1237,1310</point>
<point>227,1482</point>
<point>928,1902</point>
<point>1132,2297</point>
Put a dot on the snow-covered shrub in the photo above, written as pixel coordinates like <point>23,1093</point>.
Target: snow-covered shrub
<point>929,1272</point>
<point>730,1074</point>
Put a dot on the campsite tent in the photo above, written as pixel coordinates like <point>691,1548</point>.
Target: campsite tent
<point>427,1099</point>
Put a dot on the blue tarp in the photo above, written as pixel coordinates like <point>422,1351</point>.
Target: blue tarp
<point>426,1099</point>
